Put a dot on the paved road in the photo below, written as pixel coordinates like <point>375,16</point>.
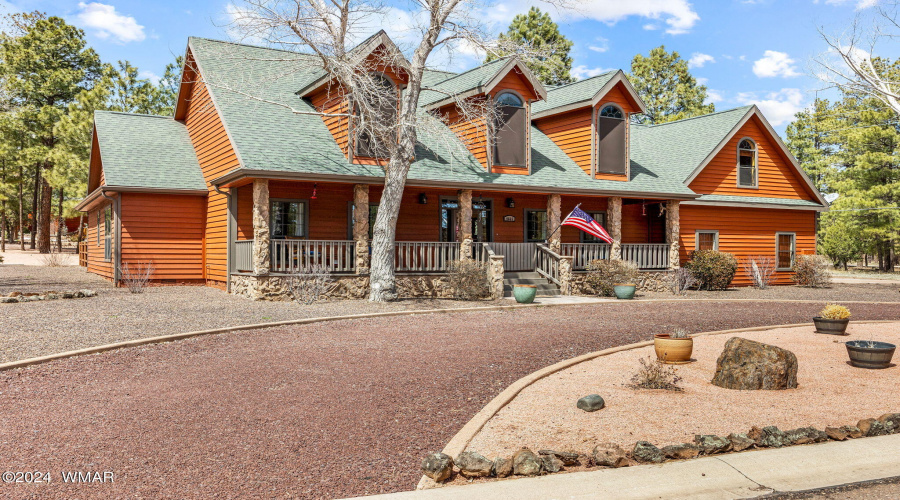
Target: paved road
<point>312,411</point>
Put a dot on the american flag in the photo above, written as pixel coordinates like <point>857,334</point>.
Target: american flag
<point>580,219</point>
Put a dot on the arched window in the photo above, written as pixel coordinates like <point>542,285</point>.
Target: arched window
<point>385,109</point>
<point>747,162</point>
<point>510,130</point>
<point>611,154</point>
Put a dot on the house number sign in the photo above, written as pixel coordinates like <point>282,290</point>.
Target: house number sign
<point>509,218</point>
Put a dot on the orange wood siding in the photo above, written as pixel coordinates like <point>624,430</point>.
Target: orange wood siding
<point>167,230</point>
<point>96,178</point>
<point>216,156</point>
<point>571,131</point>
<point>514,80</point>
<point>748,232</point>
<point>473,133</point>
<point>95,250</point>
<point>777,179</point>
<point>331,99</point>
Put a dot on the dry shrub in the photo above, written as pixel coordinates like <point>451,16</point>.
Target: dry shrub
<point>310,283</point>
<point>602,274</point>
<point>761,270</point>
<point>681,281</point>
<point>469,279</point>
<point>714,270</point>
<point>812,271</point>
<point>654,374</point>
<point>136,276</point>
<point>55,259</point>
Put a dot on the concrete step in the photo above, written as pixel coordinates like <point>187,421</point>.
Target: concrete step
<point>540,286</point>
<point>525,281</point>
<point>522,274</point>
<point>554,292</point>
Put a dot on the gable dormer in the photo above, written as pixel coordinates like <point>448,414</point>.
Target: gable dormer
<point>502,144</point>
<point>590,121</point>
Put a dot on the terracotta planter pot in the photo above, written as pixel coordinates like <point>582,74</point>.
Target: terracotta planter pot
<point>624,291</point>
<point>863,356</point>
<point>831,326</point>
<point>673,351</point>
<point>524,294</point>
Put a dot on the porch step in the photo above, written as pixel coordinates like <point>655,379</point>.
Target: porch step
<point>545,288</point>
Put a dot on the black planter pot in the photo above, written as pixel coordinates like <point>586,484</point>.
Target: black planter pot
<point>831,326</point>
<point>877,356</point>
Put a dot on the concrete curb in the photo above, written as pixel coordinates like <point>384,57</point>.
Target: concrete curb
<point>458,443</point>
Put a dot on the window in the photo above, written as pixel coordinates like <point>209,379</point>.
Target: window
<point>785,249</point>
<point>107,234</point>
<point>510,131</point>
<point>98,227</point>
<point>287,219</point>
<point>600,217</point>
<point>747,156</point>
<point>482,220</point>
<point>707,240</point>
<point>535,225</point>
<point>386,113</point>
<point>611,154</point>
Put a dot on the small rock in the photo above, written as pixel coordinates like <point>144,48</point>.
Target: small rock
<point>568,458</point>
<point>8,300</point>
<point>681,451</point>
<point>874,427</point>
<point>52,296</point>
<point>526,463</point>
<point>88,293</point>
<point>68,295</point>
<point>591,402</point>
<point>853,432</point>
<point>892,418</point>
<point>551,464</point>
<point>644,451</point>
<point>15,294</point>
<point>502,467</point>
<point>77,295</point>
<point>438,466</point>
<point>609,455</point>
<point>472,464</point>
<point>750,365</point>
<point>710,444</point>
<point>803,435</point>
<point>739,442</point>
<point>836,433</point>
<point>30,294</point>
<point>771,437</point>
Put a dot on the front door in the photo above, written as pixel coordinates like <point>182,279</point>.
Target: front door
<point>482,222</point>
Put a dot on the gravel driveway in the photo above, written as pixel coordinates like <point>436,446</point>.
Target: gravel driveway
<point>311,411</point>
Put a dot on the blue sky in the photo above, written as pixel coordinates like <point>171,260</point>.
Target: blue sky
<point>745,51</point>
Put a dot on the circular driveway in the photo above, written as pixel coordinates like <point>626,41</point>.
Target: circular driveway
<point>324,410</point>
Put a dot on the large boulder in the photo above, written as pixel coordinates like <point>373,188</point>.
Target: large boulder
<point>472,464</point>
<point>873,427</point>
<point>438,466</point>
<point>502,467</point>
<point>749,365</point>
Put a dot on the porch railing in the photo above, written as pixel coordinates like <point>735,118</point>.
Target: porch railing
<point>290,256</point>
<point>424,256</point>
<point>547,263</point>
<point>646,255</point>
<point>584,253</point>
<point>82,253</point>
<point>242,261</point>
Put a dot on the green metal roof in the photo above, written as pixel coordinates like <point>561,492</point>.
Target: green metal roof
<point>146,151</point>
<point>564,95</point>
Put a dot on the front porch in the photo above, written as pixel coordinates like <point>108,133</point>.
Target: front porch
<point>273,233</point>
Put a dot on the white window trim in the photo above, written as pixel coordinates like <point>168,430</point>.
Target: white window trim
<point>737,180</point>
<point>793,249</point>
<point>715,234</point>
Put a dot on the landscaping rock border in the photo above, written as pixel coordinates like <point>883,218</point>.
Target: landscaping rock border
<point>611,455</point>
<point>16,297</point>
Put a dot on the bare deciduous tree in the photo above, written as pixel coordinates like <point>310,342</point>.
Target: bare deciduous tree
<point>323,35</point>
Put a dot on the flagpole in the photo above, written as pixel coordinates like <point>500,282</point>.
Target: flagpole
<point>560,224</point>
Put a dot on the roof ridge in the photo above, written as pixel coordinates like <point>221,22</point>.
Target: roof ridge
<point>456,75</point>
<point>127,113</point>
<point>240,44</point>
<point>585,80</point>
<point>699,116</point>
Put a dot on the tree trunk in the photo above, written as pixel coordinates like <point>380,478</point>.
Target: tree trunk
<point>382,286</point>
<point>34,204</point>
<point>62,221</point>
<point>21,208</point>
<point>3,227</point>
<point>44,224</point>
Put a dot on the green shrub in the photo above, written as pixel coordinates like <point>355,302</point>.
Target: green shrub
<point>469,279</point>
<point>714,270</point>
<point>812,271</point>
<point>603,274</point>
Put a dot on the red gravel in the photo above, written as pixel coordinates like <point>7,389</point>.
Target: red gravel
<point>313,411</point>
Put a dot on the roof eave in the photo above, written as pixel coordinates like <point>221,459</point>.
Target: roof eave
<point>746,204</point>
<point>619,77</point>
<point>97,193</point>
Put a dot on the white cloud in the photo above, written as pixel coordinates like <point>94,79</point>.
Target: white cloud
<point>601,46</point>
<point>581,71</point>
<point>676,16</point>
<point>701,80</point>
<point>650,27</point>
<point>778,107</point>
<point>774,63</point>
<point>860,4</point>
<point>713,96</point>
<point>698,60</point>
<point>108,23</point>
<point>153,77</point>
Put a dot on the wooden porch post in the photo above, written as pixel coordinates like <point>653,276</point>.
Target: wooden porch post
<point>673,232</point>
<point>464,223</point>
<point>553,219</point>
<point>614,214</point>
<point>361,227</point>
<point>261,259</point>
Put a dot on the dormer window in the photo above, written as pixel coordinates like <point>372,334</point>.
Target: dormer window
<point>510,132</point>
<point>611,154</point>
<point>385,111</point>
<point>747,161</point>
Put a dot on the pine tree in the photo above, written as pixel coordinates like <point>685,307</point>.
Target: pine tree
<point>665,84</point>
<point>809,140</point>
<point>536,38</point>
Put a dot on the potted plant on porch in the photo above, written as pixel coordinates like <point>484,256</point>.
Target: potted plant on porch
<point>674,348</point>
<point>833,319</point>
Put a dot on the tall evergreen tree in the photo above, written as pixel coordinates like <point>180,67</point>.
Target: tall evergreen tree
<point>536,38</point>
<point>664,82</point>
<point>809,140</point>
<point>167,89</point>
